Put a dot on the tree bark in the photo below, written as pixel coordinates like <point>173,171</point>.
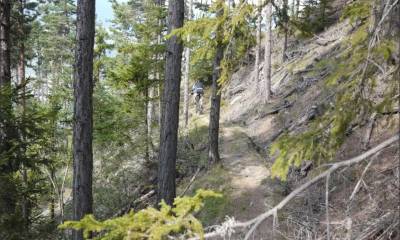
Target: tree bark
<point>22,83</point>
<point>213,129</point>
<point>161,22</point>
<point>83,112</point>
<point>8,194</point>
<point>267,54</point>
<point>150,111</point>
<point>186,77</point>
<point>258,38</point>
<point>5,72</point>
<point>285,29</point>
<point>170,106</point>
<point>148,123</point>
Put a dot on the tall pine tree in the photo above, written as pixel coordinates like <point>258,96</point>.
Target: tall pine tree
<point>170,106</point>
<point>83,112</point>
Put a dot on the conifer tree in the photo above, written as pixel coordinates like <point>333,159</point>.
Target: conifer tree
<point>213,128</point>
<point>83,112</point>
<point>170,106</point>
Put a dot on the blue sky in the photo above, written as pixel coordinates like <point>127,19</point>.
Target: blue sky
<point>104,11</point>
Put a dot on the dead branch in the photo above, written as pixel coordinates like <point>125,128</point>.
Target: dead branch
<point>334,167</point>
<point>135,203</point>
<point>190,183</point>
<point>357,187</point>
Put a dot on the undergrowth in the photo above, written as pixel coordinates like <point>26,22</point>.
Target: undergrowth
<point>150,223</point>
<point>351,78</point>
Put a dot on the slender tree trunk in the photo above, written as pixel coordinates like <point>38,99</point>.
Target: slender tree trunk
<point>258,38</point>
<point>7,194</point>
<point>397,36</point>
<point>293,8</point>
<point>52,207</point>
<point>267,54</point>
<point>285,29</point>
<point>159,100</point>
<point>53,195</point>
<point>186,89</point>
<point>186,76</point>
<point>297,8</point>
<point>213,129</point>
<point>148,127</point>
<point>5,72</point>
<point>83,112</point>
<point>24,202</point>
<point>150,111</point>
<point>21,74</point>
<point>373,18</point>
<point>161,21</point>
<point>170,106</point>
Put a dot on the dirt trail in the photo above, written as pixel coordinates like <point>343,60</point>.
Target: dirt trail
<point>247,170</point>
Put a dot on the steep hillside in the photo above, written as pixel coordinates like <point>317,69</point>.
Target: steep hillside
<point>363,199</point>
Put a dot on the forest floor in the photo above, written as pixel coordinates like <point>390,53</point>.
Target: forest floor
<point>247,171</point>
<point>240,177</point>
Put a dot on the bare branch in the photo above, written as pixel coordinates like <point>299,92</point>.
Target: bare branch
<point>190,183</point>
<point>334,167</point>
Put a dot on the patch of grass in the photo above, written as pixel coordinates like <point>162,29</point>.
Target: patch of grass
<point>192,154</point>
<point>301,64</point>
<point>215,209</point>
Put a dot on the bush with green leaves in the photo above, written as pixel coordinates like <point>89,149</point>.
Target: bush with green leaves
<point>150,223</point>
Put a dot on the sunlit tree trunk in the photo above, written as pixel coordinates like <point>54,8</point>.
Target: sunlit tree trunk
<point>258,38</point>
<point>161,4</point>
<point>285,29</point>
<point>150,112</point>
<point>83,112</point>
<point>186,76</point>
<point>170,106</point>
<point>267,55</point>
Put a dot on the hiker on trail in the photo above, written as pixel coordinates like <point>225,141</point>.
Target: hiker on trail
<point>198,90</point>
